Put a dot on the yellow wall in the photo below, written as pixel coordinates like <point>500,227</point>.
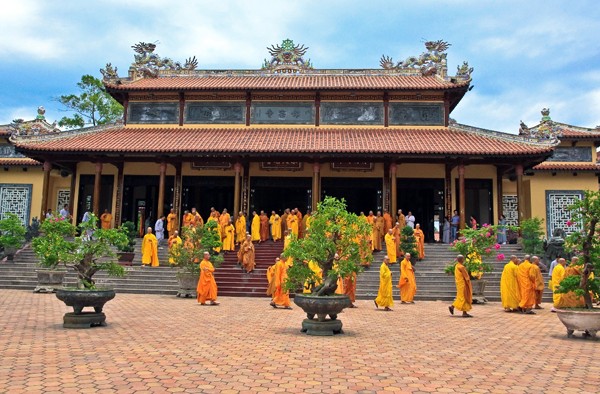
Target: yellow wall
<point>412,170</point>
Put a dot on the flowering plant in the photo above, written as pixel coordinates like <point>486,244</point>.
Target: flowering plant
<point>52,247</point>
<point>475,244</point>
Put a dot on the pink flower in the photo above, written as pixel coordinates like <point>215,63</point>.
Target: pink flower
<point>488,250</point>
<point>569,223</point>
<point>488,235</point>
<point>485,225</point>
<point>497,246</point>
<point>500,257</point>
<point>463,241</point>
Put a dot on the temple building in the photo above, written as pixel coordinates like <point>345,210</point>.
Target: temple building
<point>287,134</point>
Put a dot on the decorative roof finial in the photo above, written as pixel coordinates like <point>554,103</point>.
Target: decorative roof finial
<point>546,114</point>
<point>287,58</point>
<point>41,111</point>
<point>429,63</point>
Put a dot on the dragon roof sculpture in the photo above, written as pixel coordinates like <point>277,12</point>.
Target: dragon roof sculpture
<point>287,58</point>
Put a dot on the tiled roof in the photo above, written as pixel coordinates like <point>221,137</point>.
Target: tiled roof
<point>549,166</point>
<point>10,161</point>
<point>271,140</point>
<point>292,82</point>
<point>574,132</point>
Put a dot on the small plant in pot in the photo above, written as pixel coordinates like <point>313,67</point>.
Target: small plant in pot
<point>581,282</point>
<point>12,234</point>
<point>126,251</point>
<point>334,242</point>
<point>52,248</point>
<point>187,255</point>
<point>86,255</point>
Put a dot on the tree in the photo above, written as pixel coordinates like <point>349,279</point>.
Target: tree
<point>532,233</point>
<point>408,242</point>
<point>333,241</point>
<point>92,106</point>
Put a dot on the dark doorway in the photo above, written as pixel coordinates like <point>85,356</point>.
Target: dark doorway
<point>86,194</point>
<point>140,199</point>
<point>276,194</point>
<point>361,194</point>
<point>478,200</point>
<point>205,192</point>
<point>425,199</point>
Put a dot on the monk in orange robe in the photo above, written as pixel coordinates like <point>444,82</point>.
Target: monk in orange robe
<point>246,255</point>
<point>526,278</point>
<point>106,219</point>
<point>300,223</point>
<point>464,290</point>
<point>149,249</point>
<point>280,296</point>
<point>198,221</point>
<point>378,231</point>
<point>387,221</point>
<point>350,288</point>
<point>224,220</point>
<point>214,214</point>
<point>284,217</point>
<point>539,281</point>
<point>397,235</point>
<point>188,219</point>
<point>401,219</point>
<point>171,222</point>
<point>407,283</point>
<point>371,220</point>
<point>420,241</point>
<point>264,227</point>
<point>207,287</point>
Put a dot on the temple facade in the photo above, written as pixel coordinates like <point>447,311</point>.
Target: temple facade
<point>287,134</point>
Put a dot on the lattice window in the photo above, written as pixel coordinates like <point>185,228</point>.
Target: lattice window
<point>510,209</point>
<point>63,197</point>
<point>15,199</point>
<point>557,215</point>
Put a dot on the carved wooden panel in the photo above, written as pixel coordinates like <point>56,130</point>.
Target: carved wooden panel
<point>351,166</point>
<point>281,165</point>
<point>357,113</point>
<point>572,154</point>
<point>15,198</point>
<point>207,165</point>
<point>153,112</point>
<point>283,113</point>
<point>510,209</point>
<point>210,112</point>
<point>557,215</point>
<point>63,196</point>
<point>424,114</point>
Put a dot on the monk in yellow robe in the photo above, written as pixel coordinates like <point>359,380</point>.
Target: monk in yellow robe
<point>558,274</point>
<point>171,222</point>
<point>384,295</point>
<point>224,220</point>
<point>539,281</point>
<point>390,246</point>
<point>407,283</point>
<point>280,296</point>
<point>401,219</point>
<point>106,220</point>
<point>188,219</point>
<point>207,287</point>
<point>307,220</point>
<point>378,231</point>
<point>464,289</point>
<point>255,227</point>
<point>509,286</point>
<point>397,236</point>
<point>300,223</point>
<point>174,239</point>
<point>198,221</point>
<point>526,285</point>
<point>310,285</point>
<point>387,221</point>
<point>287,239</point>
<point>150,249</point>
<point>570,300</point>
<point>240,228</point>
<point>264,226</point>
<point>419,241</point>
<point>275,222</point>
<point>228,237</point>
<point>292,223</point>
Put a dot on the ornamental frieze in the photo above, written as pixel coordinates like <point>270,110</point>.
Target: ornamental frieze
<point>350,97</point>
<point>351,166</point>
<point>207,165</point>
<point>281,165</point>
<point>215,97</point>
<point>279,97</point>
<point>154,97</point>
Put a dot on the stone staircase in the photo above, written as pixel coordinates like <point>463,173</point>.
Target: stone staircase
<point>432,282</point>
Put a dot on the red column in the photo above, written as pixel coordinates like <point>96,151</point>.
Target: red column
<point>236,189</point>
<point>393,191</point>
<point>46,188</point>
<point>316,193</point>
<point>520,195</point>
<point>461,200</point>
<point>97,186</point>
<point>161,190</point>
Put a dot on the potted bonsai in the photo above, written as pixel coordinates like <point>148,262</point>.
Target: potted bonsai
<point>87,254</point>
<point>408,243</point>
<point>475,244</point>
<point>52,248</point>
<point>126,252</point>
<point>585,212</point>
<point>186,256</point>
<point>12,234</point>
<point>333,241</point>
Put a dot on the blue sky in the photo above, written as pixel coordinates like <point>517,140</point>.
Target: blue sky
<point>527,54</point>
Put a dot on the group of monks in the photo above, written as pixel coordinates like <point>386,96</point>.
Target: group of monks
<point>522,285</point>
<point>407,283</point>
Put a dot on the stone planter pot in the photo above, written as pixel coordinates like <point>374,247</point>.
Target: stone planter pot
<point>188,283</point>
<point>10,252</point>
<point>580,320</point>
<point>126,258</point>
<point>80,299</point>
<point>49,280</point>
<point>321,307</point>
<point>479,290</point>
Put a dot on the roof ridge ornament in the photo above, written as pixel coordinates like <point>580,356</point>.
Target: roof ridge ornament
<point>287,58</point>
<point>38,126</point>
<point>431,62</point>
<point>546,130</point>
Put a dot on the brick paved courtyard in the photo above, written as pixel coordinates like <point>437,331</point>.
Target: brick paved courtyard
<point>165,344</point>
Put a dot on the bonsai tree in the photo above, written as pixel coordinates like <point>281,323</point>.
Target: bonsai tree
<point>333,241</point>
<point>587,243</point>
<point>86,254</point>
<point>408,242</point>
<point>531,236</point>
<point>474,244</point>
<point>196,240</point>
<point>12,232</point>
<point>131,232</point>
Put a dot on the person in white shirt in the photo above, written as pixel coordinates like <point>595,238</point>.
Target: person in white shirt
<point>159,230</point>
<point>65,211</point>
<point>410,220</point>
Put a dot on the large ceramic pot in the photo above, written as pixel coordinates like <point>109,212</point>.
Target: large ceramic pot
<point>10,252</point>
<point>321,307</point>
<point>188,283</point>
<point>479,290</point>
<point>580,320</point>
<point>126,258</point>
<point>80,299</point>
<point>49,280</point>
